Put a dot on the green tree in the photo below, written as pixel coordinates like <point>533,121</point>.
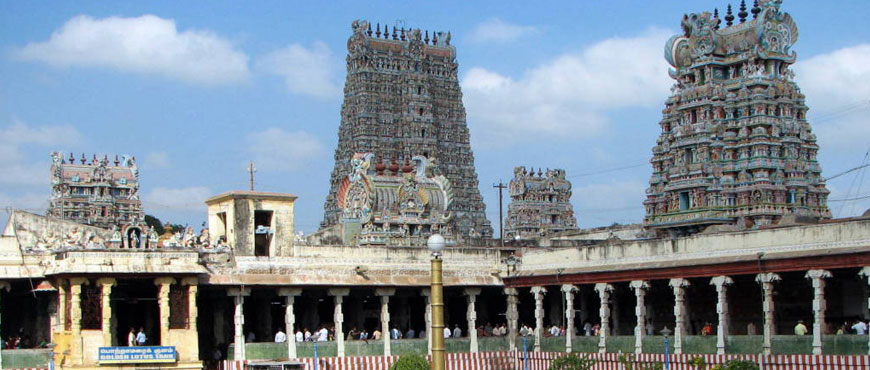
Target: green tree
<point>411,362</point>
<point>572,362</point>
<point>154,223</point>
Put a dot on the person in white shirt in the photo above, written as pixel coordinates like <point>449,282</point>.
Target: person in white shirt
<point>447,332</point>
<point>457,332</point>
<point>280,337</point>
<point>307,335</point>
<point>323,335</point>
<point>554,331</point>
<point>299,336</point>
<point>395,334</point>
<point>587,328</point>
<point>860,328</point>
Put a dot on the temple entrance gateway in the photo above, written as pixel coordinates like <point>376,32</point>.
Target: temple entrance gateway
<point>134,305</point>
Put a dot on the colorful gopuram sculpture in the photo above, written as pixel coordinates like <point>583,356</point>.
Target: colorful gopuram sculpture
<point>736,147</point>
<point>540,204</point>
<point>94,191</point>
<point>389,205</point>
<point>402,100</point>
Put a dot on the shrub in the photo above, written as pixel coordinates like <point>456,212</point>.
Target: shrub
<point>629,363</point>
<point>737,365</point>
<point>411,362</point>
<point>572,362</point>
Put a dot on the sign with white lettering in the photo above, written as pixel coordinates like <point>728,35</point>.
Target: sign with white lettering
<point>137,355</point>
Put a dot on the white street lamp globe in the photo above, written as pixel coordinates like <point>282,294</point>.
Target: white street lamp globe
<point>436,243</point>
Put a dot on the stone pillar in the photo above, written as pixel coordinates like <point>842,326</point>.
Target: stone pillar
<point>108,330</point>
<point>385,294</point>
<point>722,283</point>
<point>290,295</point>
<point>640,287</point>
<point>471,315</point>
<point>163,284</point>
<point>75,288</point>
<point>60,325</point>
<point>512,316</point>
<point>819,305</point>
<point>239,295</point>
<point>604,290</point>
<point>679,285</point>
<point>426,293</point>
<point>192,284</point>
<point>766,279</point>
<point>569,291</point>
<point>338,317</point>
<point>865,272</point>
<point>538,292</point>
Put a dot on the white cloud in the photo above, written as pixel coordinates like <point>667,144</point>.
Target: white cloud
<point>156,160</point>
<point>146,44</point>
<point>837,87</point>
<point>17,168</point>
<point>162,199</point>
<point>499,31</point>
<point>277,150</point>
<point>570,96</point>
<point>306,71</point>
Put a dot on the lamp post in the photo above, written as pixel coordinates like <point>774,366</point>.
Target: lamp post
<point>667,333</point>
<point>436,244</point>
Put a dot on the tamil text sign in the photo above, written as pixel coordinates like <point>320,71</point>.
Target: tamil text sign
<point>136,355</point>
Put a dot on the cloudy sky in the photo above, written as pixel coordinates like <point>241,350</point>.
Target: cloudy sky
<point>196,90</point>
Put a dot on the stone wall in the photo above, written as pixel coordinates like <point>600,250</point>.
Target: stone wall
<point>842,236</point>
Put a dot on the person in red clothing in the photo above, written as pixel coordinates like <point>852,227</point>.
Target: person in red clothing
<point>707,329</point>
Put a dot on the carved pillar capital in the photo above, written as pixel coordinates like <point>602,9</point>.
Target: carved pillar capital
<point>165,280</point>
<point>289,292</point>
<point>338,292</point>
<point>720,281</point>
<point>637,285</point>
<point>385,292</point>
<point>238,292</point>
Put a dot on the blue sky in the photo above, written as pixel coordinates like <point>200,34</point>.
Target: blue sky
<point>195,90</point>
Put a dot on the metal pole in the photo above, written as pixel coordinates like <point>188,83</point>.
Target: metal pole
<point>438,361</point>
<point>525,353</point>
<point>316,362</point>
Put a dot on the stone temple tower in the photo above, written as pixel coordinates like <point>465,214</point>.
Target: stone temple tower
<point>402,99</point>
<point>736,147</point>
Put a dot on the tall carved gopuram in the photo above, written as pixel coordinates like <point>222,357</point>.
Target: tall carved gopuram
<point>95,191</point>
<point>735,147</point>
<point>540,204</point>
<point>402,99</point>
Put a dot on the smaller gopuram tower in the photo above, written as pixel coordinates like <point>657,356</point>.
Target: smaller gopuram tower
<point>95,191</point>
<point>540,204</point>
<point>735,147</point>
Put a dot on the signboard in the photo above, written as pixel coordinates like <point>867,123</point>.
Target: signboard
<point>137,355</point>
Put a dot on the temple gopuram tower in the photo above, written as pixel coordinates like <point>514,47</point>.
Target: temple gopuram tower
<point>95,191</point>
<point>402,99</point>
<point>735,147</point>
<point>540,204</point>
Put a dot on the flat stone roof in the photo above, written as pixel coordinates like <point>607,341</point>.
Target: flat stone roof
<point>245,194</point>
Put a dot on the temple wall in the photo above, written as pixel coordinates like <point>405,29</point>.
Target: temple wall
<point>347,265</point>
<point>727,247</point>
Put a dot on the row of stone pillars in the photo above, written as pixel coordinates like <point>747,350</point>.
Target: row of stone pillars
<point>338,294</point>
<point>679,285</point>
